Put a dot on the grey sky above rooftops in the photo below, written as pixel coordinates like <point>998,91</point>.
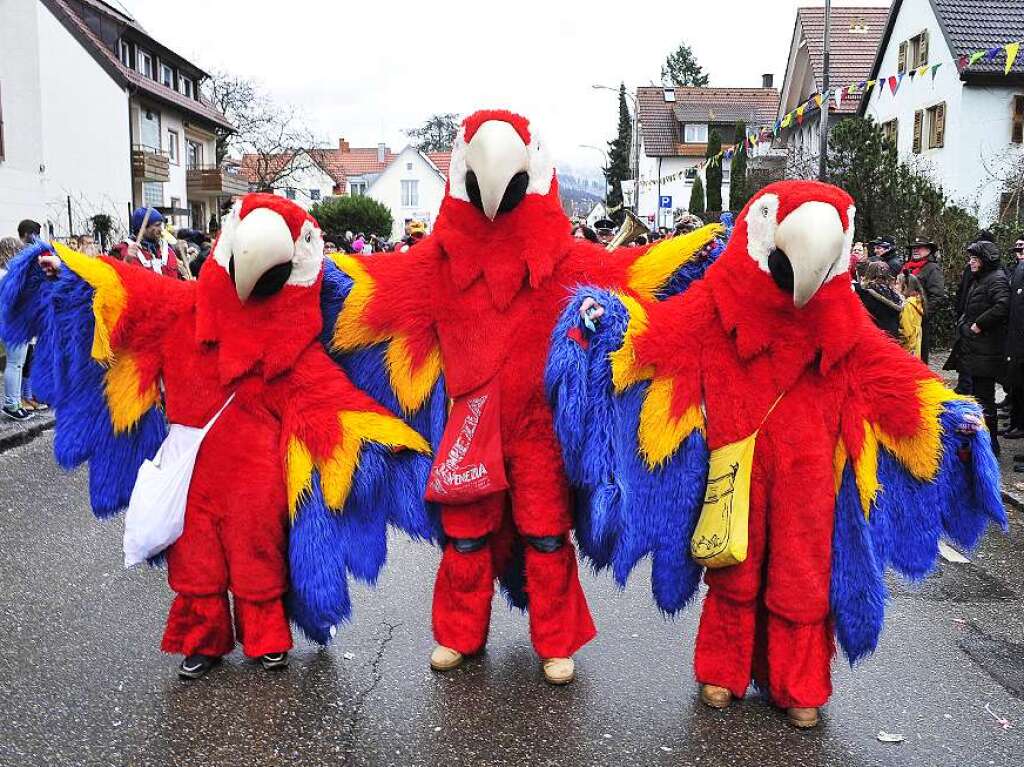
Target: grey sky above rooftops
<point>368,70</point>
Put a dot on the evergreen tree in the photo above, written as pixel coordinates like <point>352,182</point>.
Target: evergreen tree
<point>681,68</point>
<point>738,194</point>
<point>713,172</point>
<point>697,197</point>
<point>437,134</point>
<point>618,156</point>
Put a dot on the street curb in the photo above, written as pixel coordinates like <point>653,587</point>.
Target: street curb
<point>18,437</point>
<point>1013,501</point>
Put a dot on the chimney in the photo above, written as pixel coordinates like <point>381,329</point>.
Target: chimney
<point>767,80</point>
<point>382,153</point>
<point>343,145</point>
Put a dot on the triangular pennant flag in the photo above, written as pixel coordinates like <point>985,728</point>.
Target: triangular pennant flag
<point>818,99</point>
<point>787,120</point>
<point>974,57</point>
<point>935,69</point>
<point>777,127</point>
<point>868,85</point>
<point>912,73</point>
<point>839,98</point>
<point>800,114</point>
<point>922,70</point>
<point>1012,49</point>
<point>991,53</point>
<point>894,83</point>
<point>961,63</point>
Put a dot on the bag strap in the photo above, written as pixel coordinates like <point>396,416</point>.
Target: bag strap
<point>212,421</point>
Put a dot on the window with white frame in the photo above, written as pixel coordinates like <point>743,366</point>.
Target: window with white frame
<point>314,194</point>
<point>186,86</point>
<point>126,53</point>
<point>166,75</point>
<point>357,188</point>
<point>410,193</point>
<point>152,194</point>
<point>172,146</point>
<point>695,133</point>
<point>936,126</point>
<point>145,62</point>
<point>194,154</point>
<point>890,131</point>
<point>725,175</point>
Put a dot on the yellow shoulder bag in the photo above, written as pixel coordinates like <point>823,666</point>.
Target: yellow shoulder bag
<point>720,539</point>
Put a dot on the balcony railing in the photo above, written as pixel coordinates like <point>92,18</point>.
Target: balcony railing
<point>150,164</point>
<point>215,180</point>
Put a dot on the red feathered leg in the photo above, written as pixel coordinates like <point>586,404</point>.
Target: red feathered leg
<point>800,644</point>
<point>464,588</point>
<point>200,618</point>
<point>724,654</point>
<point>560,620</point>
<point>263,627</point>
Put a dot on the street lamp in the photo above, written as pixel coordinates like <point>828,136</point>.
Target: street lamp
<point>636,142</point>
<point>604,154</point>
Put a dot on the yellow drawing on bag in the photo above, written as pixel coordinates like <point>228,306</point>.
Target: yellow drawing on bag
<point>720,538</point>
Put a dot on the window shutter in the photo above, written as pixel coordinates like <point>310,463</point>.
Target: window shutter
<point>922,50</point>
<point>940,124</point>
<point>902,66</point>
<point>1017,131</point>
<point>918,120</point>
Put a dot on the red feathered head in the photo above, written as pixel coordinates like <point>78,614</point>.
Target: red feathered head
<point>267,242</point>
<point>497,163</point>
<point>798,234</point>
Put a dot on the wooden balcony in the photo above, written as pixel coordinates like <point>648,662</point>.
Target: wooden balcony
<point>150,165</point>
<point>210,179</point>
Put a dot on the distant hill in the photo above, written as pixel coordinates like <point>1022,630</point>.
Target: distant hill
<point>579,193</point>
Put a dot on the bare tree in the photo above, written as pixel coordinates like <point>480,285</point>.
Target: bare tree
<point>274,140</point>
<point>437,134</point>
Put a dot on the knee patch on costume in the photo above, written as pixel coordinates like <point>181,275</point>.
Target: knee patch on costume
<point>469,545</point>
<point>546,544</point>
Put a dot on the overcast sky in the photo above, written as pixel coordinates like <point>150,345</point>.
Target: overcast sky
<point>368,69</point>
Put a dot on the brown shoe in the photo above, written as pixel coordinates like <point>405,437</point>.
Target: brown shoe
<point>803,718</point>
<point>559,670</point>
<point>715,696</point>
<point>445,658</point>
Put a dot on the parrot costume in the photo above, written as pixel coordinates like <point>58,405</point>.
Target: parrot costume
<point>477,302</point>
<point>297,443</point>
<point>863,459</point>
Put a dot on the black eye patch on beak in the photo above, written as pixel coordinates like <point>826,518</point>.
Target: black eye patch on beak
<point>781,270</point>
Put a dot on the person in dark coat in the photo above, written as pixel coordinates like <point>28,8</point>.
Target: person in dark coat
<point>923,263</point>
<point>963,384</point>
<point>980,348</point>
<point>884,249</point>
<point>880,298</point>
<point>1015,348</point>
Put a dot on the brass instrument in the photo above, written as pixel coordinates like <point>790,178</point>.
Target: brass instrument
<point>632,227</point>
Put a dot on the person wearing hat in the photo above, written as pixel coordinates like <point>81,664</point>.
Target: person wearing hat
<point>923,263</point>
<point>605,229</point>
<point>980,347</point>
<point>1015,349</point>
<point>150,250</point>
<point>884,249</point>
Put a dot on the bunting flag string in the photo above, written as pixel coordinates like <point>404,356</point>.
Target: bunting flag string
<point>842,92</point>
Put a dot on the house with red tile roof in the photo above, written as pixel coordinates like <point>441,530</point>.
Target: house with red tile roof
<point>855,34</point>
<point>410,183</point>
<point>962,123</point>
<point>675,123</point>
<point>98,116</point>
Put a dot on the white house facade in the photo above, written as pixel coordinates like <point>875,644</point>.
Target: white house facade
<point>411,187</point>
<point>963,128</point>
<point>98,117</point>
<point>675,125</point>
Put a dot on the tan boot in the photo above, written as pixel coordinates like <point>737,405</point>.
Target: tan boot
<point>445,658</point>
<point>559,670</point>
<point>803,718</point>
<point>715,696</point>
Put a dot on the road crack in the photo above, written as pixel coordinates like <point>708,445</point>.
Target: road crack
<point>355,717</point>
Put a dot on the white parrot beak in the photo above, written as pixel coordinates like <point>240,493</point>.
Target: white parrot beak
<point>261,241</point>
<point>495,155</point>
<point>812,238</point>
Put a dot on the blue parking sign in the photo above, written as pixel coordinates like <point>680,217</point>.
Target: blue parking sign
<point>665,201</point>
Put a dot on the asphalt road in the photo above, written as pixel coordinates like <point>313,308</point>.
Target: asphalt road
<point>82,681</point>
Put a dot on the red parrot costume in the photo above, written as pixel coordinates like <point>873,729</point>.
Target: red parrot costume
<point>477,300</point>
<point>865,461</point>
<point>291,438</point>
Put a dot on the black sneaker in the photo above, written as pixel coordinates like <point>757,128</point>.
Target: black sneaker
<point>195,666</point>
<point>18,413</point>
<point>274,661</point>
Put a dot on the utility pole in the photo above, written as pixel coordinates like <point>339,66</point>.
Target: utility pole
<point>823,110</point>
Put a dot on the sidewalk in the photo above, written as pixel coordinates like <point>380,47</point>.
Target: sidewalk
<point>15,433</point>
